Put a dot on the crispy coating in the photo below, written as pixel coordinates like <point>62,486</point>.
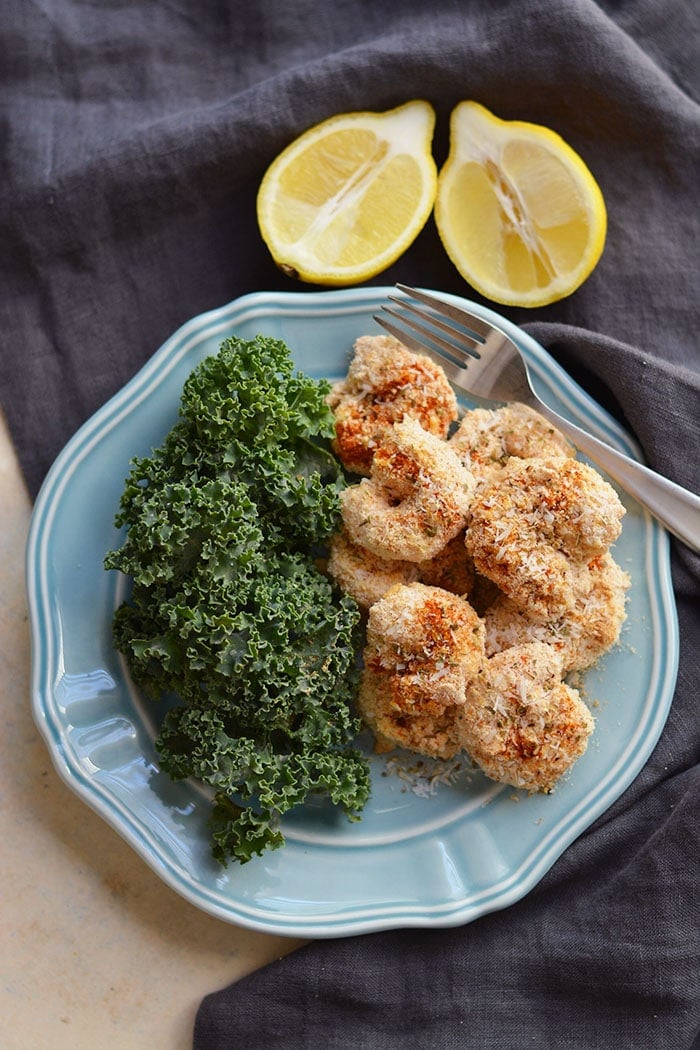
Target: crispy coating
<point>424,645</point>
<point>416,500</point>
<point>534,528</point>
<point>363,575</point>
<point>521,724</point>
<point>385,383</point>
<point>487,438</point>
<point>367,578</point>
<point>582,634</point>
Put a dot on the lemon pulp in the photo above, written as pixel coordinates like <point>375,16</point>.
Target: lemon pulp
<point>518,211</point>
<point>346,198</point>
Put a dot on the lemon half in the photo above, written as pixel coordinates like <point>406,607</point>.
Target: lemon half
<point>345,199</point>
<point>517,210</point>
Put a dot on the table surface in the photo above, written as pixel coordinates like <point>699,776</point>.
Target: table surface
<point>94,948</point>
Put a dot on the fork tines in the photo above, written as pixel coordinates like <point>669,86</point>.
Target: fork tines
<point>431,325</point>
<point>458,314</point>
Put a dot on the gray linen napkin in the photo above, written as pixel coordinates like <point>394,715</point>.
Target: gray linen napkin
<point>134,139</point>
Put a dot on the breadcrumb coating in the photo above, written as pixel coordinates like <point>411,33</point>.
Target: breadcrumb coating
<point>416,500</point>
<point>534,528</point>
<point>385,383</point>
<point>582,634</point>
<point>487,438</point>
<point>363,575</point>
<point>367,578</point>
<point>520,723</point>
<point>424,645</point>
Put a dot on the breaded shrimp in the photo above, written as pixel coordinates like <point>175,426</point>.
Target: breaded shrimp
<point>534,528</point>
<point>363,575</point>
<point>521,724</point>
<point>582,634</point>
<point>424,645</point>
<point>487,438</point>
<point>384,384</point>
<point>367,578</point>
<point>416,500</point>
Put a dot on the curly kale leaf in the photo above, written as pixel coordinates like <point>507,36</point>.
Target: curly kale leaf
<point>248,396</point>
<point>227,609</point>
<point>256,782</point>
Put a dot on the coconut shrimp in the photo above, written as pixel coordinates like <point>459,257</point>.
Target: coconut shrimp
<point>520,723</point>
<point>416,500</point>
<point>424,645</point>
<point>581,635</point>
<point>363,575</point>
<point>385,383</point>
<point>487,438</point>
<point>534,528</point>
<point>367,578</point>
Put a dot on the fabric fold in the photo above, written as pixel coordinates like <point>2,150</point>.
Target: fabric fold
<point>135,137</point>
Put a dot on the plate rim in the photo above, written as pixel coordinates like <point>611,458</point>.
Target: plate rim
<point>126,400</point>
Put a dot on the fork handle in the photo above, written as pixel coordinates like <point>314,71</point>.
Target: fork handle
<point>672,505</point>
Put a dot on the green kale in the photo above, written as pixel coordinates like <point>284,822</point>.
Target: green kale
<point>228,611</point>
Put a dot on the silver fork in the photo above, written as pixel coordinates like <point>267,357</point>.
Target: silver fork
<point>484,362</point>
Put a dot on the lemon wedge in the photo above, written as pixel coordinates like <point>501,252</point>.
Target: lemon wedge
<point>517,210</point>
<point>345,199</point>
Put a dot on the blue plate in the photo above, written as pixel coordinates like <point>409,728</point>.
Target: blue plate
<point>436,846</point>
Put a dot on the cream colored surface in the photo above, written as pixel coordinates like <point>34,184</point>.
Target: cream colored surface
<point>94,949</point>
